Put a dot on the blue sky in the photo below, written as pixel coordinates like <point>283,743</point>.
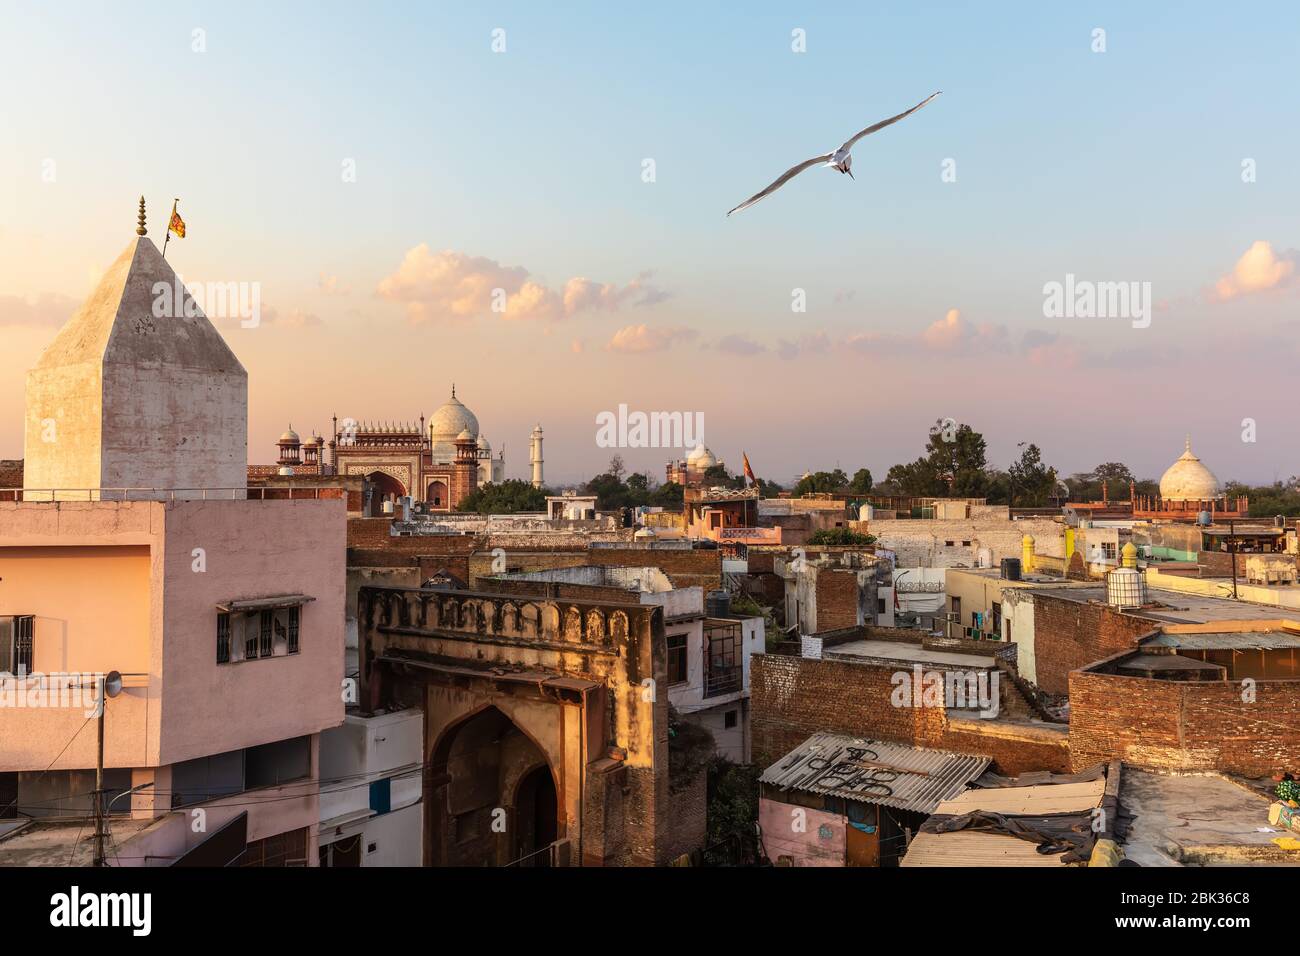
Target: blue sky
<point>1122,165</point>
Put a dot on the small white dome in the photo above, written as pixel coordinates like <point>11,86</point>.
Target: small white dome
<point>1188,480</point>
<point>701,458</point>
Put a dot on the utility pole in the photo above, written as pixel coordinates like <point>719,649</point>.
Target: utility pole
<point>101,701</point>
<point>1232,547</point>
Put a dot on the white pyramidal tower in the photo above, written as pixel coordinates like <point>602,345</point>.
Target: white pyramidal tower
<point>126,398</point>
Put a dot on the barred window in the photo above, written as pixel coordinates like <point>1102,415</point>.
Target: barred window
<point>223,638</point>
<point>17,644</point>
<point>265,634</point>
<point>293,614</point>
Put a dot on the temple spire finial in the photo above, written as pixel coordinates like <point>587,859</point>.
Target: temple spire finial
<point>140,229</point>
<point>453,389</point>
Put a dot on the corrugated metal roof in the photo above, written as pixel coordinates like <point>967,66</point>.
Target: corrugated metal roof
<point>1230,640</point>
<point>1037,801</point>
<point>978,848</point>
<point>875,771</point>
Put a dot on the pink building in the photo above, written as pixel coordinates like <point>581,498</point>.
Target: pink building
<point>224,615</point>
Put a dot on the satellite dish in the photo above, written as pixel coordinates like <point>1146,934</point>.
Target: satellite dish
<point>112,684</point>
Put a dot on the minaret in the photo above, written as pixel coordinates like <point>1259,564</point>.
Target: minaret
<point>535,455</point>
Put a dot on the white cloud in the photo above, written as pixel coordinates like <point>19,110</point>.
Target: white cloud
<point>1258,270</point>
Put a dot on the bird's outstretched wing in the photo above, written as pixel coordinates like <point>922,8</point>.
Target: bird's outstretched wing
<point>883,123</point>
<point>781,180</point>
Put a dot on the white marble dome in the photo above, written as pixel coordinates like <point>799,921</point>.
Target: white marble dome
<point>451,419</point>
<point>701,458</point>
<point>1188,479</point>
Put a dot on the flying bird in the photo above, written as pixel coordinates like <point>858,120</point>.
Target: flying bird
<point>840,159</point>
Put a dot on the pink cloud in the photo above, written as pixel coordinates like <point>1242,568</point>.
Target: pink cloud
<point>452,285</point>
<point>643,338</point>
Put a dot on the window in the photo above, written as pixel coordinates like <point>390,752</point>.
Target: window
<point>292,615</point>
<point>949,544</point>
<point>997,619</point>
<point>1108,550</point>
<point>676,658</point>
<point>223,638</point>
<point>956,607</point>
<point>17,644</point>
<point>264,631</point>
<point>965,544</point>
<point>880,605</point>
<point>729,720</point>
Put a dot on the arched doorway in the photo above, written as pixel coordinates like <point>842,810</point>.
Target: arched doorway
<point>535,817</point>
<point>494,801</point>
<point>437,495</point>
<point>383,487</point>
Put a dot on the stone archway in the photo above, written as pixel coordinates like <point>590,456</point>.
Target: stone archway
<point>437,496</point>
<point>494,802</point>
<point>384,488</point>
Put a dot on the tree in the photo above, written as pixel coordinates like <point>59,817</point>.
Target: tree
<point>1032,483</point>
<point>954,464</point>
<point>841,536</point>
<point>616,467</point>
<point>667,495</point>
<point>861,483</point>
<point>821,482</point>
<point>509,497</point>
<point>717,476</point>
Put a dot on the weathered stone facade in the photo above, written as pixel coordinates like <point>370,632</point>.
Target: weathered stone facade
<point>567,685</point>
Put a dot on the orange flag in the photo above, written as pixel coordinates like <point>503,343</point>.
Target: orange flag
<point>177,225</point>
<point>749,473</point>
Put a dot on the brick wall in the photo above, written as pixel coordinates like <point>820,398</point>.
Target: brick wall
<point>1071,634</point>
<point>837,599</point>
<point>688,825</point>
<point>1185,725</point>
<point>792,698</point>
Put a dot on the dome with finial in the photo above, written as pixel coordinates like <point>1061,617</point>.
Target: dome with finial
<point>290,437</point>
<point>446,425</point>
<point>1187,479</point>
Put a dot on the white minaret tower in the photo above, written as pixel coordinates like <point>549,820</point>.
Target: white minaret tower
<point>535,456</point>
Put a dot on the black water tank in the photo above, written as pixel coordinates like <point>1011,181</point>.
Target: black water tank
<point>717,604</point>
<point>1011,569</point>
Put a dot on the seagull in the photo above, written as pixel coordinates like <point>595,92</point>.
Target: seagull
<point>839,159</point>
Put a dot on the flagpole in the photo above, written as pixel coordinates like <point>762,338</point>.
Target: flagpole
<point>167,235</point>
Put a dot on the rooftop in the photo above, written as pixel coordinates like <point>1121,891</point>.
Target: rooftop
<point>908,653</point>
<point>1196,821</point>
<point>874,771</point>
<point>1174,607</point>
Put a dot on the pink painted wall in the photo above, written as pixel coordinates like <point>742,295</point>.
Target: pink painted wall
<point>821,843</point>
<point>251,549</point>
<point>184,705</point>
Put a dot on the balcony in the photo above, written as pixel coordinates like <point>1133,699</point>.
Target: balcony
<point>724,672</point>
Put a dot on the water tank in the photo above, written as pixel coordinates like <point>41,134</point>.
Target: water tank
<point>1203,519</point>
<point>1125,587</point>
<point>1011,569</point>
<point>717,604</point>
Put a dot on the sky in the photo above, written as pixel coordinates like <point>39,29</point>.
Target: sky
<point>379,170</point>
